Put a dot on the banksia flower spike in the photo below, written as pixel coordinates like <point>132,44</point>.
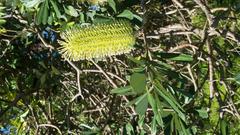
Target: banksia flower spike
<point>97,41</point>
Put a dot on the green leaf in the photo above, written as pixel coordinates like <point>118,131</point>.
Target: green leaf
<point>31,3</point>
<point>223,126</point>
<point>141,120</point>
<point>112,4</point>
<point>154,126</point>
<point>126,14</point>
<point>220,40</point>
<point>138,17</point>
<point>72,11</point>
<point>182,57</point>
<point>137,69</point>
<point>42,64</point>
<point>159,111</point>
<point>194,129</point>
<point>172,102</point>
<point>176,122</point>
<point>202,113</point>
<point>168,94</point>
<point>55,7</point>
<point>43,79</point>
<point>156,108</point>
<point>121,90</point>
<point>136,100</point>
<point>55,70</point>
<point>175,56</point>
<point>45,13</point>
<point>23,116</point>
<point>50,19</point>
<point>2,21</point>
<point>138,82</point>
<point>184,130</point>
<point>129,129</point>
<point>237,78</point>
<point>142,105</point>
<point>137,61</point>
<point>39,14</point>
<point>81,16</point>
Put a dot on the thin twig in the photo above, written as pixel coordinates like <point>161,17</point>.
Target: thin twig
<point>104,73</point>
<point>45,43</point>
<point>48,125</point>
<point>192,77</point>
<point>182,46</point>
<point>78,79</point>
<point>109,73</point>
<point>211,71</point>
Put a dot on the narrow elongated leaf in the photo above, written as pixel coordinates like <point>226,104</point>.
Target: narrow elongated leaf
<point>184,130</point>
<point>159,111</point>
<point>43,79</point>
<point>121,90</point>
<point>112,4</point>
<point>50,19</point>
<point>39,14</point>
<point>182,57</point>
<point>126,14</point>
<point>45,13</point>
<point>135,60</point>
<point>237,78</point>
<point>175,56</point>
<point>154,126</point>
<point>176,122</point>
<point>171,102</point>
<point>136,100</point>
<point>157,114</point>
<point>160,87</point>
<point>142,106</point>
<point>138,17</point>
<point>55,7</point>
<point>129,129</point>
<point>223,126</point>
<point>31,3</point>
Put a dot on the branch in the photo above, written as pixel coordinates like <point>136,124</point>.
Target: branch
<point>211,71</point>
<point>105,74</point>
<point>78,80</point>
<point>48,125</point>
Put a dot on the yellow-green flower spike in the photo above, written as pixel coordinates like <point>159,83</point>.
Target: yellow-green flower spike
<point>97,41</point>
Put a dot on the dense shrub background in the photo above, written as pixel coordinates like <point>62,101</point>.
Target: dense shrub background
<point>181,78</point>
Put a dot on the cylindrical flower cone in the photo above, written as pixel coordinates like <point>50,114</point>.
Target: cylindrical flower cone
<point>97,41</point>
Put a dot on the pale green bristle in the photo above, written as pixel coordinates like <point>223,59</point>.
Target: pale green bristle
<point>97,41</point>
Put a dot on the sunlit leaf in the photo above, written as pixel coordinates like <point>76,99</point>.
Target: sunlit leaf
<point>126,14</point>
<point>31,3</point>
<point>122,90</point>
<point>138,82</point>
<point>142,105</point>
<point>112,4</point>
<point>202,113</point>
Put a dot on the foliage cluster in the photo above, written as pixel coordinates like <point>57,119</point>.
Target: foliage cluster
<point>182,77</point>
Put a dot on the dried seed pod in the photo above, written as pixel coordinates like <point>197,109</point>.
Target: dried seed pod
<point>97,41</point>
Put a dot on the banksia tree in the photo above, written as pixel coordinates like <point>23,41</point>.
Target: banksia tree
<point>97,41</point>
